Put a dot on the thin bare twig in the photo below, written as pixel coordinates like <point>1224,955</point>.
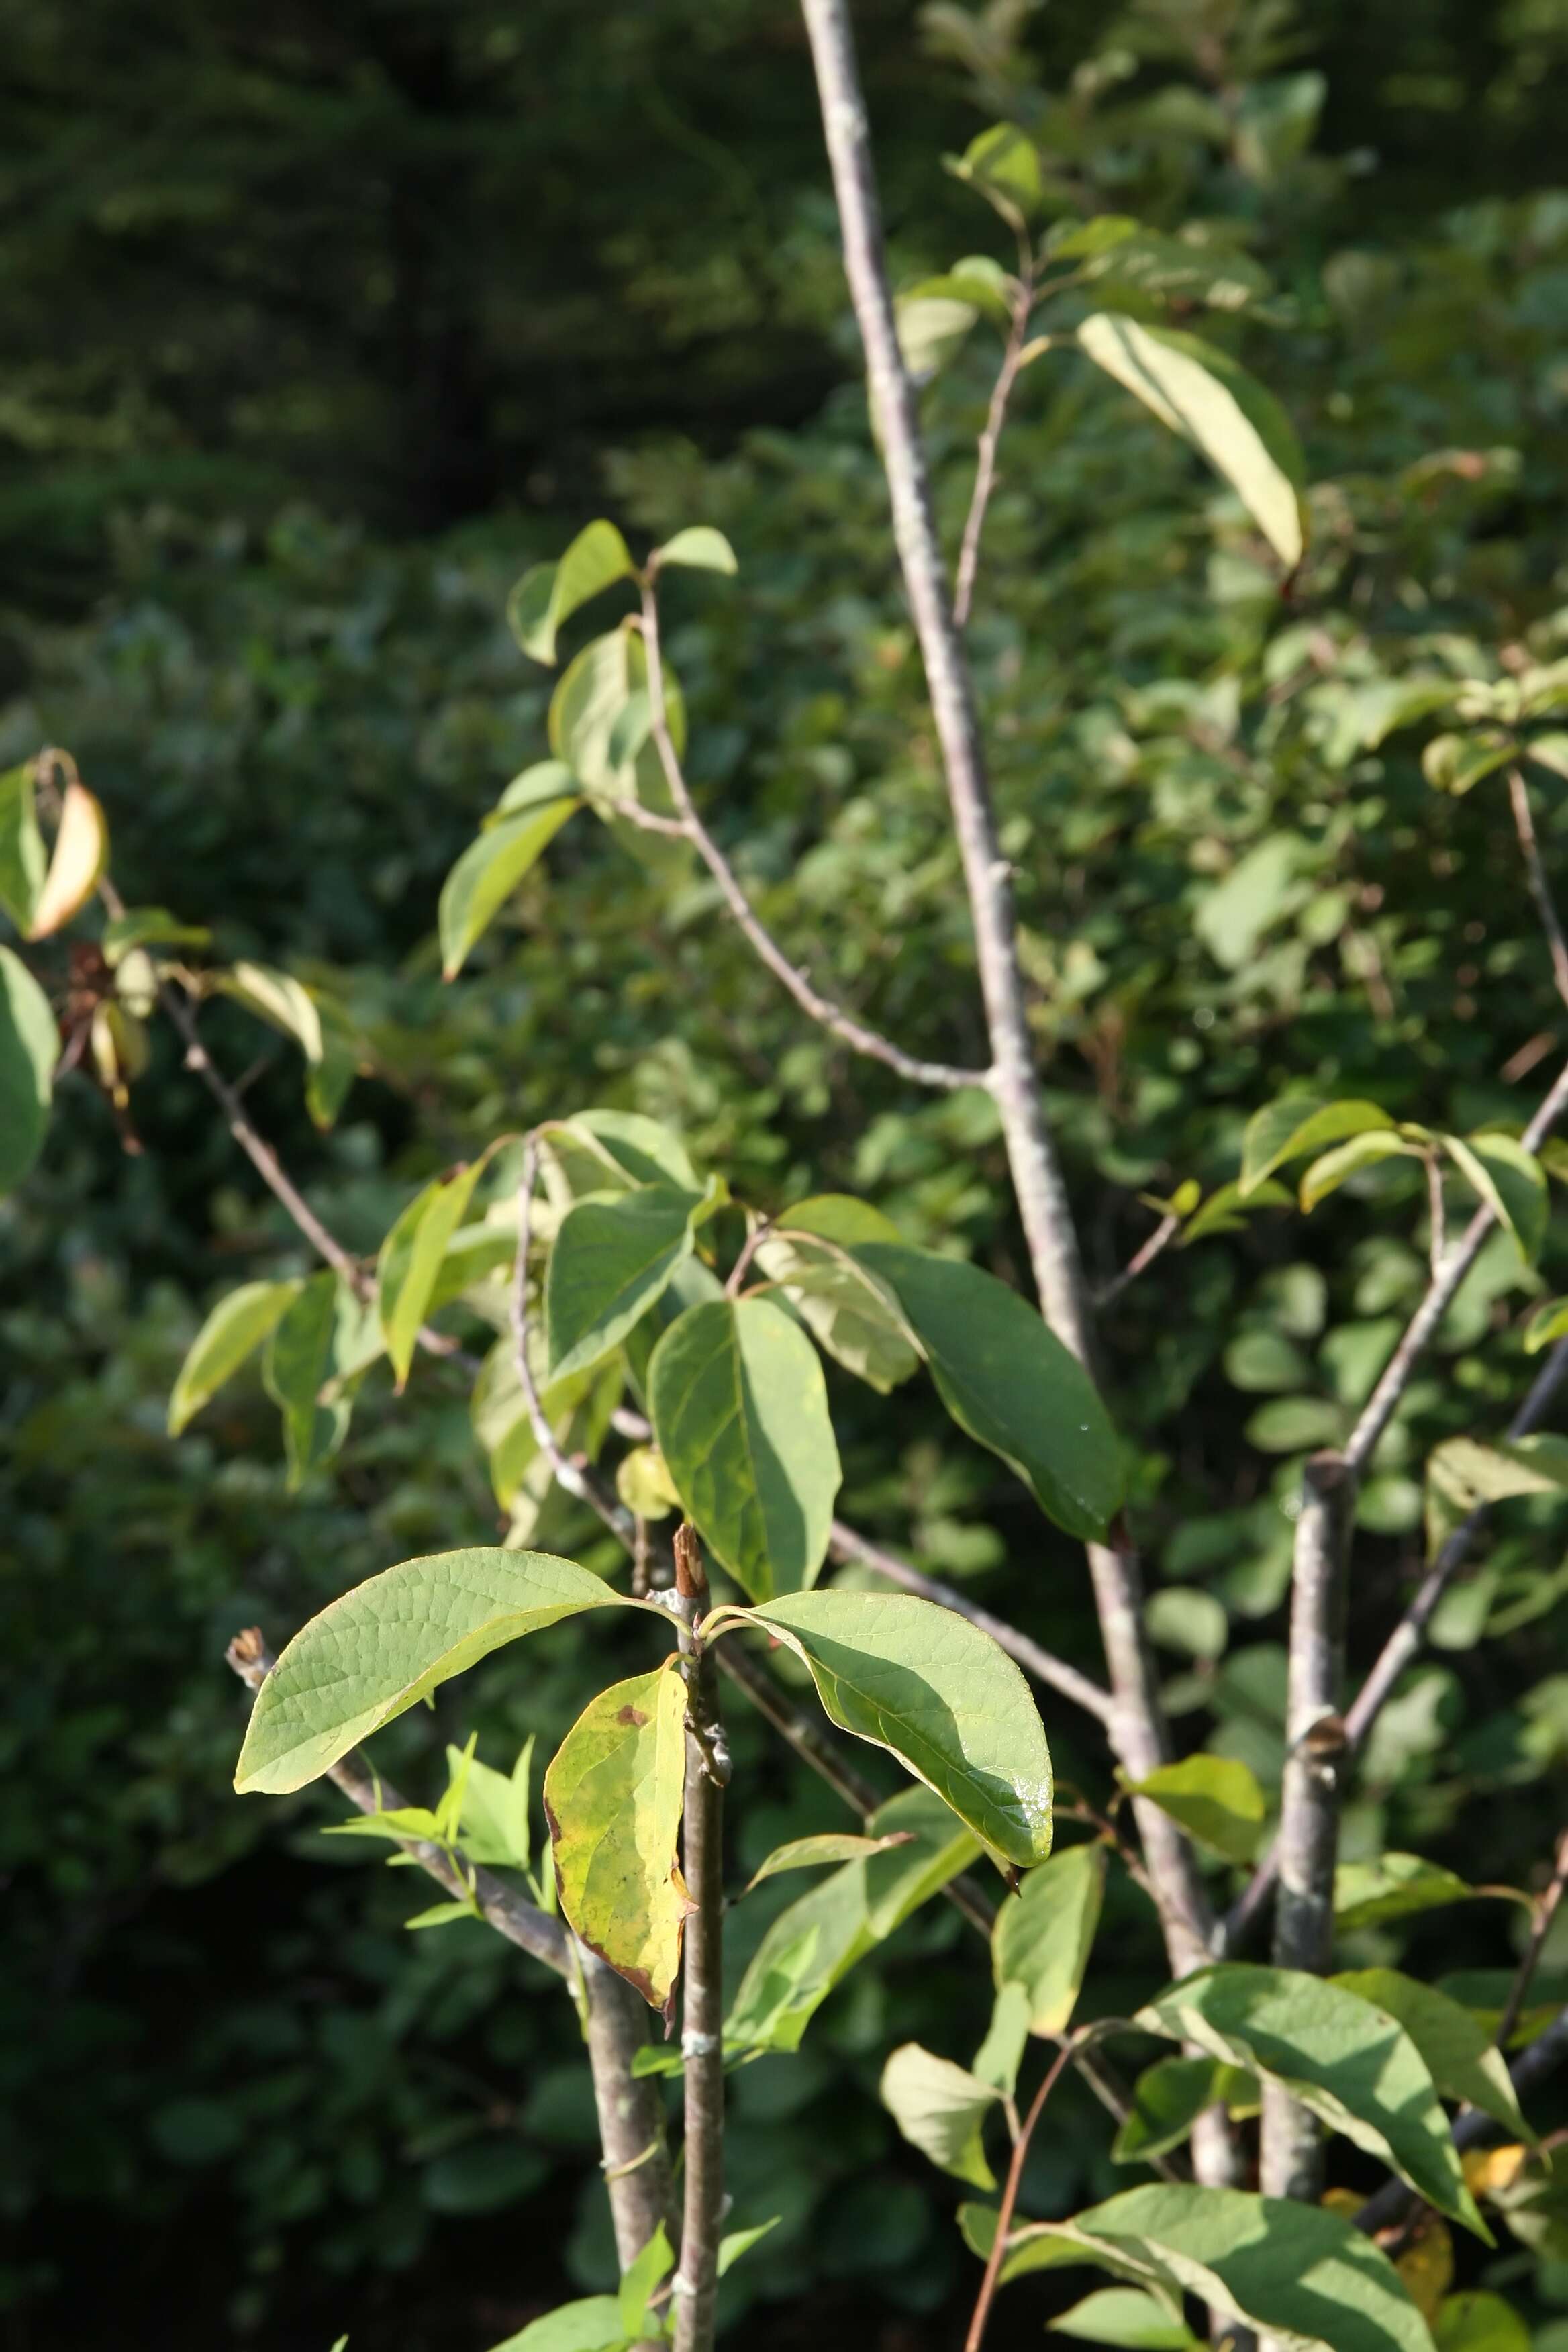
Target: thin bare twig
<point>1535,873</point>
<point>990,439</point>
<point>1545,1912</point>
<point>1010,2186</point>
<point>1139,1262</point>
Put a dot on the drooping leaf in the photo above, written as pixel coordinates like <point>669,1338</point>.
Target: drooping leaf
<point>921,1681</point>
<point>79,854</point>
<point>29,1047</point>
<point>490,869</point>
<point>548,596</point>
<point>818,1853</point>
<point>1168,2098</point>
<point>1288,1130</point>
<point>1394,1887</point>
<point>1462,1473</point>
<point>323,1329</point>
<point>1001,2054</point>
<point>593,2325</point>
<point>1126,2316</point>
<point>1511,1182</point>
<point>1353,2066</point>
<point>612,1255</point>
<point>409,1263</point>
<point>22,859</point>
<point>1201,392</point>
<point>849,1310</point>
<point>739,1410</point>
<point>240,1324</point>
<point>1347,1160</point>
<point>278,998</point>
<point>613,1797</point>
<point>932,328</point>
<point>941,2110</point>
<point>1214,1798</point>
<point>1009,1383</point>
<point>1459,2054</point>
<point>382,1646</point>
<point>1302,2274</point>
<point>700,547</point>
<point>1042,1940</point>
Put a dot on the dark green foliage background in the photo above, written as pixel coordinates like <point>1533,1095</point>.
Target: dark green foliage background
<point>319,325</point>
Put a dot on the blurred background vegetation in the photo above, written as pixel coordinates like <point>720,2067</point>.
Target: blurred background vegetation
<point>318,325</point>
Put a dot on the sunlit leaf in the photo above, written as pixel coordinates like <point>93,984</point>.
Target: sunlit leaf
<point>1459,2054</point>
<point>79,854</point>
<point>1288,1130</point>
<point>238,1325</point>
<point>548,596</point>
<point>700,547</point>
<point>1215,1799</point>
<point>817,1853</point>
<point>612,1256</point>
<point>941,2110</point>
<point>490,869</point>
<point>1041,1942</point>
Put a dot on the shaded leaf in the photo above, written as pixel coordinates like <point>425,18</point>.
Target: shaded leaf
<point>941,2110</point>
<point>817,1853</point>
<point>1288,1130</point>
<point>1459,2054</point>
<point>1453,763</point>
<point>29,1047</point>
<point>612,1255</point>
<point>238,1326</point>
<point>849,1310</point>
<point>22,859</point>
<point>1041,1942</point>
<point>323,1329</point>
<point>1169,2097</point>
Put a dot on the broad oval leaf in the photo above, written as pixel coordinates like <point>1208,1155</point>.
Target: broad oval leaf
<point>1460,2055</point>
<point>612,1255</point>
<point>849,1311</point>
<point>1288,1130</point>
<point>240,1324</point>
<point>1353,2066</point>
<point>382,1646</point>
<point>1463,1473</point>
<point>1202,394</point>
<point>1214,1798</point>
<point>548,593</point>
<point>1126,2316</point>
<point>818,1853</point>
<point>1042,1941</point>
<point>739,1410</point>
<point>489,870</point>
<point>587,727</point>
<point>610,1151</point>
<point>613,1797</point>
<point>914,1678</point>
<point>700,547</point>
<point>410,1259</point>
<point>941,2110</point>
<point>1510,1181</point>
<point>30,1048</point>
<point>326,1334</point>
<point>1009,1382</point>
<point>79,855</point>
<point>1168,2098</point>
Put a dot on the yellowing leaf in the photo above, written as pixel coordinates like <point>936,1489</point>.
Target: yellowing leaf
<point>1492,2170</point>
<point>613,1797</point>
<point>1427,2267</point>
<point>79,855</point>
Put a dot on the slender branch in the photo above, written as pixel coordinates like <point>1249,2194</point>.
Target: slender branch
<point>822,1009</point>
<point>990,438</point>
<point>1545,1912</point>
<point>1438,1238</point>
<point>846,1543</point>
<point>1142,1259</point>
<point>1535,873</point>
<point>702,1970</point>
<point>1010,2186</point>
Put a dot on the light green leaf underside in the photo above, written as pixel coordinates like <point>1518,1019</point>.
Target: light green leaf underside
<point>1459,2054</point>
<point>915,1678</point>
<point>739,1410</point>
<point>941,2110</point>
<point>1041,1941</point>
<point>1352,2065</point>
<point>1396,1886</point>
<point>591,2325</point>
<point>1128,2317</point>
<point>1215,1798</point>
<point>375,1652</point>
<point>613,1799</point>
<point>700,547</point>
<point>238,1326</point>
<point>849,1311</point>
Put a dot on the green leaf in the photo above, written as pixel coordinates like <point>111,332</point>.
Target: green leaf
<point>849,1310</point>
<point>489,870</point>
<point>278,998</point>
<point>612,1151</point>
<point>1002,164</point>
<point>701,548</point>
<point>817,1853</point>
<point>1353,2066</point>
<point>914,1678</point>
<point>613,1797</point>
<point>1288,1129</point>
<point>1301,2272</point>
<point>612,1255</point>
<point>1009,1383</point>
<point>1260,888</point>
<point>1459,2054</point>
<point>322,1330</point>
<point>1335,1168</point>
<point>381,1647</point>
<point>30,1048</point>
<point>739,1410</point>
<point>577,1409</point>
<point>1169,2097</point>
<point>812,1944</point>
<point>1294,1424</point>
<point>932,328</point>
<point>1394,1887</point>
<point>1478,2322</point>
<point>494,1809</point>
<point>644,1485</point>
<point>23,860</point>
<point>1453,763</point>
<point>238,1326</point>
<point>1147,266</point>
<point>1510,1181</point>
<point>1216,1799</point>
<point>1223,1211</point>
<point>547,597</point>
<point>1202,394</point>
<point>736,2242</point>
<point>646,2274</point>
<point>1127,2316</point>
<point>1042,1940</point>
<point>410,1261</point>
<point>588,708</point>
<point>1462,1473</point>
<point>941,2110</point>
<point>440,1915</point>
<point>594,2325</point>
<point>147,927</point>
<point>1001,2054</point>
<point>1546,1326</point>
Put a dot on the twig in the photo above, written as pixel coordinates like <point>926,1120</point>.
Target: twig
<point>1535,873</point>
<point>631,2112</point>
<point>846,1543</point>
<point>985,461</point>
<point>1163,1232</point>
<point>822,1009</point>
<point>1438,1238</point>
<point>998,2253</point>
<point>702,1971</point>
<point>1545,1912</point>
